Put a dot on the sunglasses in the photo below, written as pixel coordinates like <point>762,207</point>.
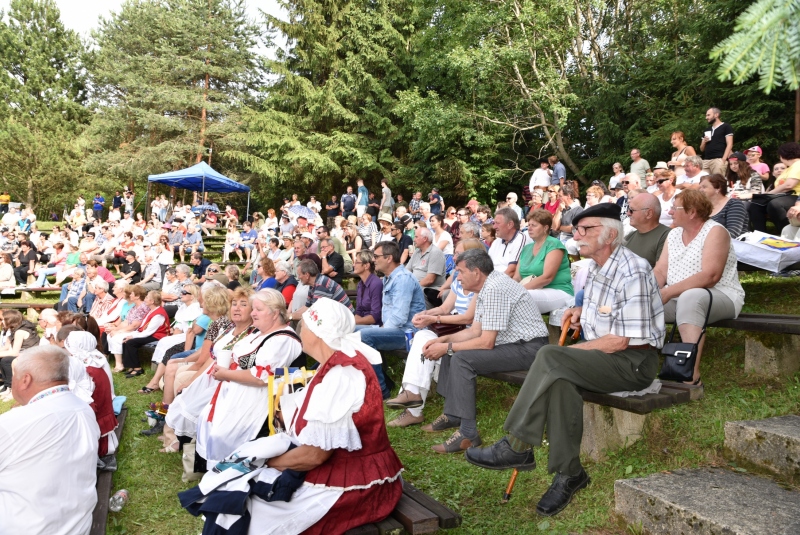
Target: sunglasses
<point>212,270</point>
<point>662,180</point>
<point>185,293</point>
<point>625,182</point>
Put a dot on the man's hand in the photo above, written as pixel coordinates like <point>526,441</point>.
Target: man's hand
<point>420,321</point>
<point>794,211</point>
<point>434,350</point>
<point>572,316</point>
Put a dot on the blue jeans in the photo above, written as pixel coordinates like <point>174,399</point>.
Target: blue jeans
<point>43,273</point>
<point>182,354</point>
<point>383,339</point>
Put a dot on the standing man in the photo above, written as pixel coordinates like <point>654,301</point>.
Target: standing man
<point>436,202</point>
<point>507,246</point>
<point>402,299</point>
<point>400,203</point>
<point>349,201</point>
<point>129,197</point>
<point>5,198</point>
<point>363,198</point>
<point>413,206</point>
<point>640,166</point>
<point>48,470</point>
<point>717,143</point>
<point>97,206</point>
<point>332,211</point>
<point>505,335</point>
<point>559,171</point>
<point>623,325</point>
<point>540,178</point>
<point>386,198</point>
<point>116,200</point>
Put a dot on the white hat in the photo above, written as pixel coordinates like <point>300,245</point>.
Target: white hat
<point>661,165</point>
<point>334,324</point>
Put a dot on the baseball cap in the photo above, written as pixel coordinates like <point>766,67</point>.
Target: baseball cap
<point>754,149</point>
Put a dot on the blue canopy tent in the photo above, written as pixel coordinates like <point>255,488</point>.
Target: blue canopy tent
<point>201,177</point>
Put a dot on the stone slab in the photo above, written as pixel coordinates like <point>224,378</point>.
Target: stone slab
<point>772,444</point>
<point>772,355</point>
<point>606,428</point>
<point>708,501</point>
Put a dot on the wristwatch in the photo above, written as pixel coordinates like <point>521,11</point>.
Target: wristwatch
<point>450,351</point>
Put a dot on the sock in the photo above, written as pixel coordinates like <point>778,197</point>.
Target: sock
<point>517,445</point>
<point>469,428</point>
<point>414,389</point>
<point>415,412</point>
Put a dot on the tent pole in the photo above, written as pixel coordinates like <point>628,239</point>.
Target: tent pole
<point>147,201</point>
<point>248,207</point>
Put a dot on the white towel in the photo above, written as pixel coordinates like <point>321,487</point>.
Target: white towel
<point>654,388</point>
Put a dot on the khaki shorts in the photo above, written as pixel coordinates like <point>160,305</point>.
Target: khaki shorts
<point>717,166</point>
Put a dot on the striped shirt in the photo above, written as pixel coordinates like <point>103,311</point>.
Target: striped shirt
<point>505,253</point>
<point>326,287</point>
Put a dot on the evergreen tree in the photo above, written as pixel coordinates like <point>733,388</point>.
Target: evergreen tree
<point>42,92</point>
<point>169,74</point>
<point>328,118</point>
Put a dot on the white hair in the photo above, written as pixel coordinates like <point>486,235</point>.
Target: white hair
<point>513,196</point>
<point>46,364</point>
<point>425,233</point>
<point>100,284</point>
<point>633,177</point>
<point>605,235</point>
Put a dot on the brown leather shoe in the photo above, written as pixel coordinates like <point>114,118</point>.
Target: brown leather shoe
<point>456,443</point>
<point>406,400</point>
<point>406,419</point>
<point>441,423</point>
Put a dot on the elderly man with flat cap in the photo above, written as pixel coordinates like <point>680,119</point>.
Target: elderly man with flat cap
<point>623,324</point>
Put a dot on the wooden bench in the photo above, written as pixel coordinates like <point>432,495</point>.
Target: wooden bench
<point>104,486</point>
<point>415,513</point>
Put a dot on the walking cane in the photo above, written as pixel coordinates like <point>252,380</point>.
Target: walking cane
<point>561,341</point>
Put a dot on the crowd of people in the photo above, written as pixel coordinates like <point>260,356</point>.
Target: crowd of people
<point>462,290</point>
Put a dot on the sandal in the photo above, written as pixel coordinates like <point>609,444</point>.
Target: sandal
<point>695,383</point>
<point>147,390</point>
<point>174,447</point>
<point>134,373</point>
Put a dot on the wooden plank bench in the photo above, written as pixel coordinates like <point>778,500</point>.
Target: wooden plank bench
<point>415,513</point>
<point>104,486</point>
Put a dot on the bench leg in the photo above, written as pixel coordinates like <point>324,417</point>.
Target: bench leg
<point>605,428</point>
<point>772,355</point>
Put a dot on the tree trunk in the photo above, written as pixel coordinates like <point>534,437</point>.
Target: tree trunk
<point>797,116</point>
<point>29,199</point>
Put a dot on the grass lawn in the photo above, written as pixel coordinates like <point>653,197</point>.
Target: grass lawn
<point>689,435</point>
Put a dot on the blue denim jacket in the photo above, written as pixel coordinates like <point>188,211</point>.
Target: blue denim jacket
<point>402,299</point>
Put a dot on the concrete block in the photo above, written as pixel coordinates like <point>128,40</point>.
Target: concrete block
<point>553,333</point>
<point>772,444</point>
<point>605,428</point>
<point>772,355</point>
<point>708,502</point>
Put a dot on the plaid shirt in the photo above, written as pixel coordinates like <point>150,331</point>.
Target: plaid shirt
<point>505,306</point>
<point>622,298</point>
<point>413,204</point>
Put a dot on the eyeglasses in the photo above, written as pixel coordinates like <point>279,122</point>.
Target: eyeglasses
<point>382,255</point>
<point>508,198</point>
<point>582,230</point>
<point>662,180</point>
<point>462,215</point>
<point>677,208</point>
<point>452,213</point>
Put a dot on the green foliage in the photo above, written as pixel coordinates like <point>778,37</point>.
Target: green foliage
<point>766,42</point>
<point>169,77</point>
<point>42,96</point>
<point>327,119</point>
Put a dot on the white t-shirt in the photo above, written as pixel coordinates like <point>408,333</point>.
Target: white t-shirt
<point>615,180</point>
<point>683,179</point>
<point>446,238</point>
<point>48,470</point>
<point>540,179</point>
<point>505,253</point>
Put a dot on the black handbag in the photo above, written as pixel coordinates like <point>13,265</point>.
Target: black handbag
<point>680,358</point>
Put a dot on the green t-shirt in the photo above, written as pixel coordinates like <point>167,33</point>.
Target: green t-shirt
<point>528,265</point>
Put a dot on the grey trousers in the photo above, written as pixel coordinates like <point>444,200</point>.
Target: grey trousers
<point>550,398</point>
<point>457,374</point>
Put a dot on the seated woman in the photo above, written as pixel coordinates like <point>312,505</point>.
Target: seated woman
<point>154,326</point>
<point>743,181</point>
<point>265,276</point>
<point>698,254</point>
<point>783,196</point>
<point>287,284</point>
<point>57,262</point>
<point>730,213</point>
<point>132,321</point>
<point>20,334</point>
<point>457,309</point>
<point>181,420</point>
<point>543,267</point>
<point>237,413</point>
<point>352,474</point>
<point>182,334</point>
<point>7,279</point>
<point>666,196</point>
<point>232,240</point>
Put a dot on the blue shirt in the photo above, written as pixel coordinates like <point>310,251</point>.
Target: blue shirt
<point>559,172</point>
<point>202,321</point>
<point>436,204</point>
<point>249,235</point>
<point>364,196</point>
<point>402,299</point>
<point>97,201</point>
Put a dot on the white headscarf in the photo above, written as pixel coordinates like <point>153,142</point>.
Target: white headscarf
<point>83,346</point>
<point>334,324</point>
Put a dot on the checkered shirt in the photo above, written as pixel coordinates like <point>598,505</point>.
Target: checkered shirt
<point>622,298</point>
<point>505,306</point>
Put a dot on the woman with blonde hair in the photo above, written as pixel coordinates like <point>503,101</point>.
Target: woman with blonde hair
<point>682,151</point>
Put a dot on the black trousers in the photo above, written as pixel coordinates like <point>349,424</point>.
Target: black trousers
<point>21,274</point>
<point>775,211</point>
<point>130,351</point>
<point>5,366</point>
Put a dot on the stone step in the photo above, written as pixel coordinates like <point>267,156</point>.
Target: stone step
<point>708,501</point>
<point>772,444</point>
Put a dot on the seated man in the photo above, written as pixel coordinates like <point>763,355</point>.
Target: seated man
<point>402,299</point>
<point>647,240</point>
<point>318,286</point>
<point>75,292</point>
<point>505,335</point>
<point>428,262</point>
<point>49,443</point>
<point>175,278</point>
<point>623,324</point>
<point>369,292</point>
<point>332,262</point>
<point>200,267</point>
<point>505,250</point>
<point>192,242</point>
<point>210,222</point>
<point>249,235</point>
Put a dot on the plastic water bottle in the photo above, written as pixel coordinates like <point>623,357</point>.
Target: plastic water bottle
<point>119,499</point>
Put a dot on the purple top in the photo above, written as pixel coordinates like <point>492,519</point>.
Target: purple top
<point>138,313</point>
<point>369,298</point>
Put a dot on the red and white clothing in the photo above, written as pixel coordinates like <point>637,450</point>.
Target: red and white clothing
<point>237,412</point>
<point>154,323</point>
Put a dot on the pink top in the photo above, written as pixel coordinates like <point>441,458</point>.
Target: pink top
<point>760,168</point>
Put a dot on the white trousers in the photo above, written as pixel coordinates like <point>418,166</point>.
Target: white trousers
<point>418,373</point>
<point>361,209</point>
<point>548,300</point>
